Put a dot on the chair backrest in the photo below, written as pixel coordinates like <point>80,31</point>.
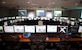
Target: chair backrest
<point>10,38</point>
<point>37,39</point>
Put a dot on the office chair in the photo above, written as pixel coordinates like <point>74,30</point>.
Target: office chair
<point>11,42</point>
<point>37,42</point>
<point>74,46</point>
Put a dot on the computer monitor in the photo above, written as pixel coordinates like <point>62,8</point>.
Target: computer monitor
<point>72,22</point>
<point>62,29</point>
<point>1,29</point>
<point>22,12</point>
<point>0,19</point>
<point>18,17</point>
<point>40,13</point>
<point>11,21</point>
<point>13,17</point>
<point>66,18</point>
<point>41,29</point>
<point>8,29</point>
<point>73,29</point>
<point>80,29</point>
<point>72,18</point>
<point>26,35</point>
<point>19,28</point>
<point>9,18</point>
<point>5,18</point>
<point>51,28</point>
<point>6,23</point>
<point>24,17</point>
<point>30,28</point>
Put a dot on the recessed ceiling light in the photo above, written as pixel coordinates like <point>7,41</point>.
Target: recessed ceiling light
<point>53,2</point>
<point>3,2</point>
<point>28,2</point>
<point>33,4</point>
<point>76,3</point>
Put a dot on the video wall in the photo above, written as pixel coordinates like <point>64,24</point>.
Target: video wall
<point>39,13</point>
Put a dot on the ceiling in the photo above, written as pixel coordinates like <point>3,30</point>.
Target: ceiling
<point>47,4</point>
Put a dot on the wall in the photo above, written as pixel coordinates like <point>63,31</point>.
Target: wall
<point>13,12</point>
<point>65,13</point>
<point>72,13</point>
<point>3,12</point>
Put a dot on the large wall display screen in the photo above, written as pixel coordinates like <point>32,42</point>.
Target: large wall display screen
<point>22,12</point>
<point>40,13</point>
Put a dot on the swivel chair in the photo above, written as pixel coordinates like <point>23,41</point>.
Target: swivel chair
<point>37,42</point>
<point>11,42</point>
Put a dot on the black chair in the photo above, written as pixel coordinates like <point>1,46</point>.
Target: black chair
<point>51,46</point>
<point>37,42</point>
<point>11,42</point>
<point>74,46</point>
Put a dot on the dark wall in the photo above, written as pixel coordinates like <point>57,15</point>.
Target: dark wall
<point>4,11</point>
<point>65,13</point>
<point>13,12</point>
<point>75,13</point>
<point>72,13</point>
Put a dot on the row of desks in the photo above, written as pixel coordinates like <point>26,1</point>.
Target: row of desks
<point>50,39</point>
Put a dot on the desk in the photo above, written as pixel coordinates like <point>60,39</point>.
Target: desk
<point>75,39</point>
<point>49,40</point>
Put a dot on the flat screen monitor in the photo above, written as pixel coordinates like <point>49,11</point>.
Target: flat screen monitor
<point>49,14</point>
<point>0,19</point>
<point>51,28</point>
<point>8,29</point>
<point>31,14</point>
<point>9,17</point>
<point>1,29</point>
<point>11,21</point>
<point>62,29</point>
<point>66,18</point>
<point>57,13</point>
<point>80,29</point>
<point>40,13</point>
<point>72,22</point>
<point>30,28</point>
<point>24,17</point>
<point>73,29</point>
<point>26,35</point>
<point>13,17</point>
<point>22,12</point>
<point>72,18</point>
<point>6,23</point>
<point>19,29</point>
<point>18,17</point>
<point>5,18</point>
<point>40,29</point>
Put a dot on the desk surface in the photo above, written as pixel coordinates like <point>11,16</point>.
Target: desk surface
<point>47,40</point>
<point>50,39</point>
<point>75,39</point>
